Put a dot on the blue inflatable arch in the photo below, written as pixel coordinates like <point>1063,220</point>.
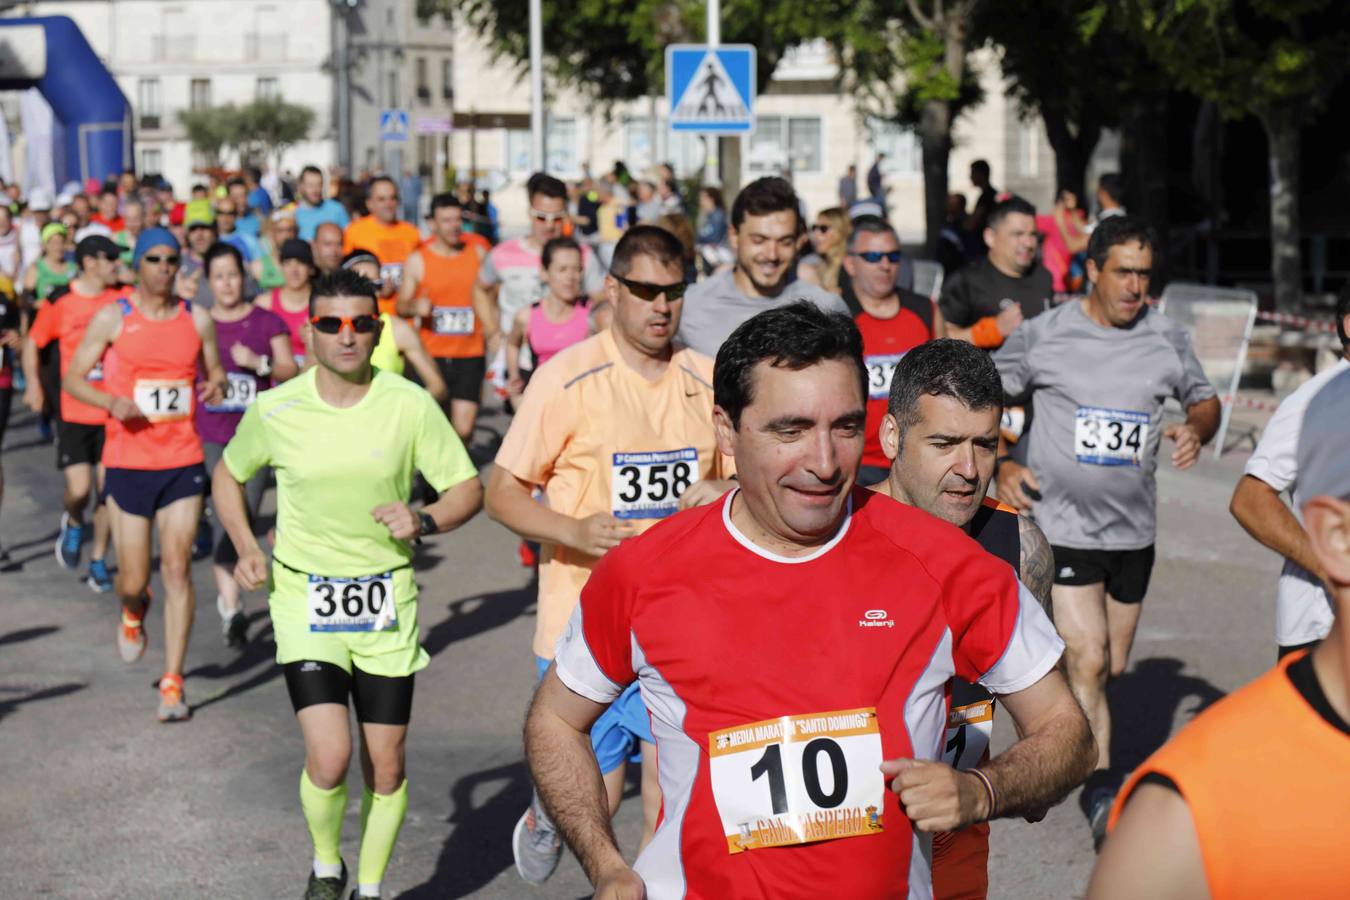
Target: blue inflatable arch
<point>91,136</point>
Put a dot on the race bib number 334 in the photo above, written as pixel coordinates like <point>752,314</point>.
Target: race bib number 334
<point>798,779</point>
<point>649,485</point>
<point>1110,437</point>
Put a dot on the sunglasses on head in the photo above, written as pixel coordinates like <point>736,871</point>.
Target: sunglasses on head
<point>549,217</point>
<point>876,256</point>
<point>155,259</point>
<point>363,324</point>
<point>646,291</point>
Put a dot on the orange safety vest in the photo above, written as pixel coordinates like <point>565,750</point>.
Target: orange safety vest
<point>1267,782</point>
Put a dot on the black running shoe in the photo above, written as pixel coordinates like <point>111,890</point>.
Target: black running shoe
<point>326,888</point>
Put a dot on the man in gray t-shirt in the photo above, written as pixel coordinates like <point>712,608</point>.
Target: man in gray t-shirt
<point>1099,370</point>
<point>764,232</point>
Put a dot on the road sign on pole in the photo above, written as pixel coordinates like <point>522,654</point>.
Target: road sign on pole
<point>711,89</point>
<point>394,125</point>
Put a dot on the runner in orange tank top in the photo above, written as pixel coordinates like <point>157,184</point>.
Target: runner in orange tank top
<point>437,287</point>
<point>152,455</point>
<point>1252,799</point>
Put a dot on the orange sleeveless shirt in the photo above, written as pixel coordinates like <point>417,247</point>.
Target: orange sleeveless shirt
<point>1267,781</point>
<point>154,363</point>
<point>452,331</point>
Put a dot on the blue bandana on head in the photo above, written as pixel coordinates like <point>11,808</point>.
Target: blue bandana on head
<point>153,237</point>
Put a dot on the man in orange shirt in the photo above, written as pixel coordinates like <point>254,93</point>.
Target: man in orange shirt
<point>383,234</point>
<point>617,431</point>
<point>1252,799</point>
<point>152,455</point>
<point>64,319</point>
<point>456,320</point>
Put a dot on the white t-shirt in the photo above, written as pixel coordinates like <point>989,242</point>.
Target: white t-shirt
<point>1303,611</point>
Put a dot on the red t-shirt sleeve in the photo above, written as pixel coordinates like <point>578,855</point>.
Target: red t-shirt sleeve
<point>595,654</point>
<point>46,325</point>
<point>1001,638</point>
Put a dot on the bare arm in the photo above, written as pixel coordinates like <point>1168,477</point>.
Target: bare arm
<point>1037,561</point>
<point>103,330</point>
<point>409,344</point>
<point>509,501</point>
<point>1153,852</point>
<point>514,341</point>
<point>1202,422</point>
<point>456,505</point>
<point>213,389</point>
<point>1258,508</point>
<point>558,748</point>
<point>489,313</point>
<point>28,357</point>
<point>283,360</point>
<point>1056,752</point>
<point>407,304</point>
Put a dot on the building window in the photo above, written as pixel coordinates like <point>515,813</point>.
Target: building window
<point>904,153</point>
<point>1028,148</point>
<point>147,99</point>
<point>447,79</point>
<point>782,144</point>
<point>805,145</point>
<point>152,161</point>
<point>423,83</point>
<point>518,150</point>
<point>269,89</point>
<point>394,100</point>
<point>684,151</point>
<point>426,155</point>
<point>768,153</point>
<point>560,147</point>
<point>200,93</point>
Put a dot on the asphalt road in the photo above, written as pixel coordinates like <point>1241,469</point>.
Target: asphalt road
<point>99,800</point>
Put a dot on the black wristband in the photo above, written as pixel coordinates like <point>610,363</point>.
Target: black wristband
<point>426,525</point>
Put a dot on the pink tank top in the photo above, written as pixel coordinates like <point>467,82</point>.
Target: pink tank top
<point>547,338</point>
<point>295,322</point>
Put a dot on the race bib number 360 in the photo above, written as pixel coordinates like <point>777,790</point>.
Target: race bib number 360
<point>352,604</point>
<point>163,401</point>
<point>649,485</point>
<point>1110,437</point>
<point>798,779</point>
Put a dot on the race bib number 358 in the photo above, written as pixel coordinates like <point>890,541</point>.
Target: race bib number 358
<point>649,485</point>
<point>798,779</point>
<point>352,604</point>
<point>1110,437</point>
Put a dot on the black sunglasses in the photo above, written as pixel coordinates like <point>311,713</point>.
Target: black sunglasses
<point>876,256</point>
<point>333,324</point>
<point>649,292</point>
<point>155,260</point>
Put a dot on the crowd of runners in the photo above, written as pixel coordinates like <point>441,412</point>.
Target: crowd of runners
<point>799,529</point>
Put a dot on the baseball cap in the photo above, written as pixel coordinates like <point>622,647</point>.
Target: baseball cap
<point>198,212</point>
<point>40,199</point>
<point>358,256</point>
<point>52,228</point>
<point>153,237</point>
<point>1323,463</point>
<point>96,245</point>
<point>294,248</point>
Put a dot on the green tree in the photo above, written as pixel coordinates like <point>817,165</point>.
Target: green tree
<point>1277,60</point>
<point>210,130</point>
<point>266,127</point>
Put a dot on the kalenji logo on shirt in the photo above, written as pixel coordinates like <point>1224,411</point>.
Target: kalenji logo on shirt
<point>875,618</point>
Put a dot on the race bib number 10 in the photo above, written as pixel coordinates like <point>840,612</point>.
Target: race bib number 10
<point>798,779</point>
<point>352,604</point>
<point>649,485</point>
<point>1110,437</point>
<point>163,401</point>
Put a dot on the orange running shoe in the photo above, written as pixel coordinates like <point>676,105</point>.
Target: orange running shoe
<point>172,706</point>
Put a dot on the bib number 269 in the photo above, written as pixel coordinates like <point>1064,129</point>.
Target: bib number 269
<point>352,604</point>
<point>798,779</point>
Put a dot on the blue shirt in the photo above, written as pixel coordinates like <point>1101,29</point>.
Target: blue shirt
<point>246,244</point>
<point>309,218</point>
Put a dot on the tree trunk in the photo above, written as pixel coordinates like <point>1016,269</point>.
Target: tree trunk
<point>935,135</point>
<point>1285,140</point>
<point>1072,153</point>
<point>1144,167</point>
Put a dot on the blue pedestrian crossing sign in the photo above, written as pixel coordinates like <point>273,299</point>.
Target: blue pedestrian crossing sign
<point>394,125</point>
<point>711,89</point>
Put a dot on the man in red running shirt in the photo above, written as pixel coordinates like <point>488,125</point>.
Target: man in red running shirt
<point>941,433</point>
<point>793,642</point>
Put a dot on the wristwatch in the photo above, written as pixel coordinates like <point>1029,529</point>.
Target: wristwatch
<point>427,525</point>
<point>264,366</point>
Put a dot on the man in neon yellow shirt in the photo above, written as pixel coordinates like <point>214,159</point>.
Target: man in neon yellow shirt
<point>344,439</point>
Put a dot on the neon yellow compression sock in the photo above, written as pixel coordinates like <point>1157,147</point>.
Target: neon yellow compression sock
<point>323,814</point>
<point>367,798</point>
<point>378,837</point>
